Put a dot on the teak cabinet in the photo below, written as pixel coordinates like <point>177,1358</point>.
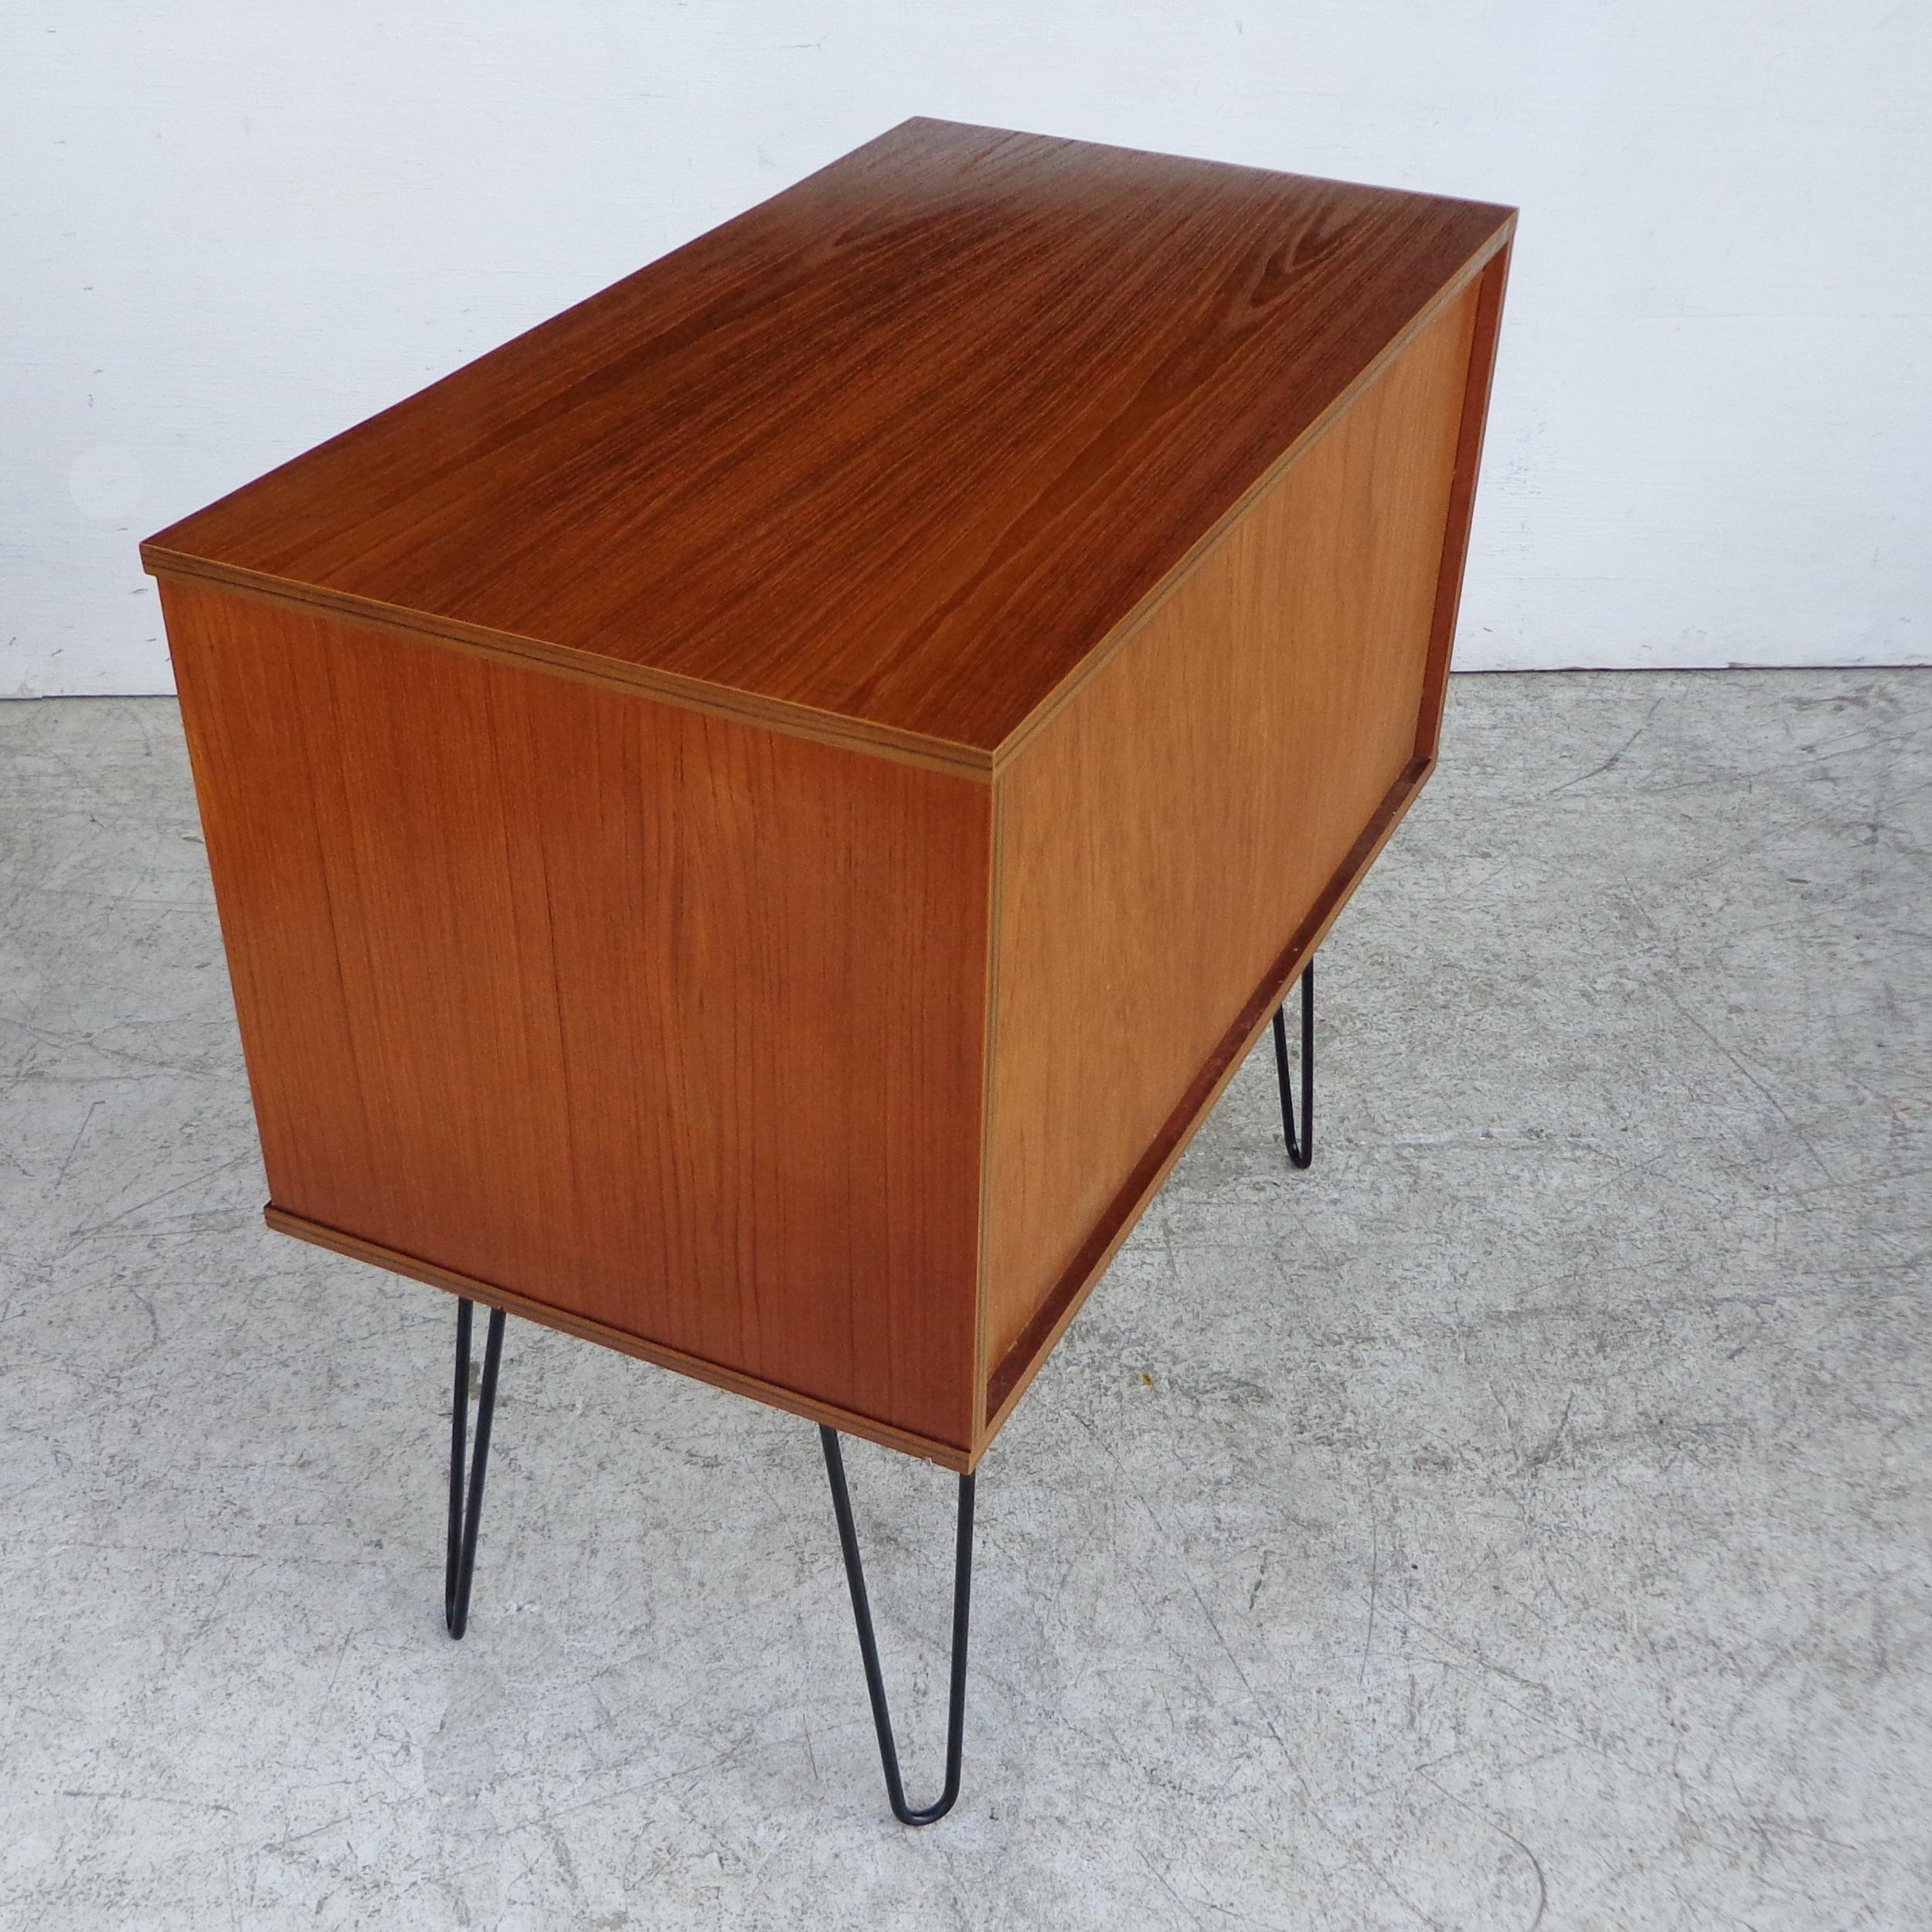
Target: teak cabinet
<point>753,822</point>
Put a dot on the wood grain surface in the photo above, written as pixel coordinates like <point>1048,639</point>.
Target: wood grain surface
<point>1164,842</point>
<point>669,1024</point>
<point>751,823</point>
<point>1490,288</point>
<point>547,1314</point>
<point>884,460</point>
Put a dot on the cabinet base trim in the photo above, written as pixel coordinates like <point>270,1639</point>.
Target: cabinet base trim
<point>948,1455</point>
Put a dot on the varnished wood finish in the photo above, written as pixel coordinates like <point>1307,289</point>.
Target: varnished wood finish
<point>1165,841</point>
<point>948,1456</point>
<point>1008,1378</point>
<point>751,823</point>
<point>669,1023</point>
<point>1462,497</point>
<point>884,459</point>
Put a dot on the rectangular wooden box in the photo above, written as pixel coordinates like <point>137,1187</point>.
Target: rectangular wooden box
<point>752,823</point>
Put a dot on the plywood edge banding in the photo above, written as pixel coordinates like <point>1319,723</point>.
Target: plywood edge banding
<point>948,1455</point>
<point>533,654</point>
<point>1022,1361</point>
<point>996,874</point>
<point>1485,328</point>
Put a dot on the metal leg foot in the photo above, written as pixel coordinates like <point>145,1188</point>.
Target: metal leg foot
<point>1300,1146</point>
<point>459,1565</point>
<point>869,1644</point>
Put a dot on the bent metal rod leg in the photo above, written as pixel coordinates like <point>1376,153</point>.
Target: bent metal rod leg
<point>1300,1146</point>
<point>459,1564</point>
<point>869,1644</point>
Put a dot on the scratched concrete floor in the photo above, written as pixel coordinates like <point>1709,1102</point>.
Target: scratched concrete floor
<point>1522,1519</point>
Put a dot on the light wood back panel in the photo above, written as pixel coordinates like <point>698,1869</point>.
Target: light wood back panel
<point>668,1022</point>
<point>1163,836</point>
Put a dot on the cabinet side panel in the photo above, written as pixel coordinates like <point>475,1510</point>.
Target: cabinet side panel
<point>1166,835</point>
<point>657,1019</point>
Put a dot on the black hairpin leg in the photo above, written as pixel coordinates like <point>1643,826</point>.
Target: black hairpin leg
<point>1300,1146</point>
<point>869,1644</point>
<point>459,1565</point>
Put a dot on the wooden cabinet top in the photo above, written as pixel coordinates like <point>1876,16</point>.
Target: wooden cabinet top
<point>885,461</point>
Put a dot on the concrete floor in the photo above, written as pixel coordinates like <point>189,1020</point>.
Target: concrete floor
<point>1521,1520</point>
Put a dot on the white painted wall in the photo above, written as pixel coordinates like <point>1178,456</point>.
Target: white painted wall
<point>230,228</point>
